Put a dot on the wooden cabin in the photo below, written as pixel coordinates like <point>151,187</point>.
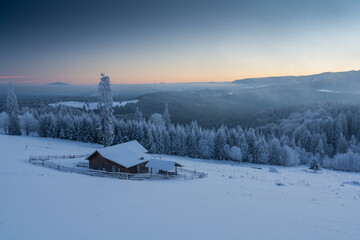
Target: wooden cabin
<point>127,157</point>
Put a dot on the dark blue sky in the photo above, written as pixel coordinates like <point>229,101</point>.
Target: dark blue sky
<point>175,41</point>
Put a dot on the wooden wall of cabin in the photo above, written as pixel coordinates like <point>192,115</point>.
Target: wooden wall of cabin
<point>98,162</point>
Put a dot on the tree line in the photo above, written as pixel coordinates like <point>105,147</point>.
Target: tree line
<point>324,134</point>
<point>327,133</point>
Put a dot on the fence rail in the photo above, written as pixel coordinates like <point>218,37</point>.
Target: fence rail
<point>194,173</point>
<point>48,157</point>
<point>44,161</point>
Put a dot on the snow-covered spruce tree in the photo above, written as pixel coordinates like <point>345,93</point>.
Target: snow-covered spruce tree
<point>341,144</point>
<point>47,126</point>
<point>206,144</point>
<point>192,139</point>
<point>85,129</point>
<point>138,115</point>
<point>12,108</point>
<point>220,144</point>
<point>252,146</point>
<point>274,151</point>
<point>106,111</point>
<point>151,144</point>
<point>320,150</point>
<point>166,116</point>
<point>4,122</point>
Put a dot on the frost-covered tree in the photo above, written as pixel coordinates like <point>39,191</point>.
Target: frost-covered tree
<point>28,123</point>
<point>205,146</point>
<point>341,144</point>
<point>85,129</point>
<point>242,143</point>
<point>106,111</point>
<point>274,151</point>
<point>158,120</point>
<point>48,126</point>
<point>138,115</point>
<point>289,157</point>
<point>353,144</point>
<point>151,142</point>
<point>235,153</point>
<point>253,146</point>
<point>193,131</point>
<point>166,116</point>
<point>320,149</point>
<point>220,150</point>
<point>12,108</point>
<point>261,153</point>
<point>4,121</point>
<point>348,161</point>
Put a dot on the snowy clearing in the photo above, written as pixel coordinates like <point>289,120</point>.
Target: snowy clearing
<point>91,105</point>
<point>234,202</point>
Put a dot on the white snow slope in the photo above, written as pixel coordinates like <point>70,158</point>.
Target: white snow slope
<point>234,202</point>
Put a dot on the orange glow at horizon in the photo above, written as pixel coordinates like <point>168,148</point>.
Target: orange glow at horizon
<point>117,78</point>
<point>13,77</point>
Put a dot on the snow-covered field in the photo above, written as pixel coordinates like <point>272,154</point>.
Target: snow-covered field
<point>234,202</point>
<point>92,105</point>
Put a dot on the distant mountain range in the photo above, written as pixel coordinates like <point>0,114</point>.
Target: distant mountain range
<point>58,83</point>
<point>335,81</point>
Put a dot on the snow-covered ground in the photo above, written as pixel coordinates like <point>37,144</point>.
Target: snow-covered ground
<point>234,202</point>
<point>92,105</point>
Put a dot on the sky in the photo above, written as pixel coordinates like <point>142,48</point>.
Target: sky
<point>169,41</point>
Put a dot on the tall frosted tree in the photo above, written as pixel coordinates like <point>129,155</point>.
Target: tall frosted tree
<point>106,111</point>
<point>12,108</point>
<point>166,116</point>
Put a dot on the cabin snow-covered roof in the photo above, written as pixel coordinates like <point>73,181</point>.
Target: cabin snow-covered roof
<point>162,164</point>
<point>127,154</point>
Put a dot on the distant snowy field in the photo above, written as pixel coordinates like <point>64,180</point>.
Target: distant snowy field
<point>234,202</point>
<point>327,91</point>
<point>90,106</point>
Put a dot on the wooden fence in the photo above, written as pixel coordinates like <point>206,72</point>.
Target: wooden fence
<point>193,174</point>
<point>48,157</point>
<point>44,161</point>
